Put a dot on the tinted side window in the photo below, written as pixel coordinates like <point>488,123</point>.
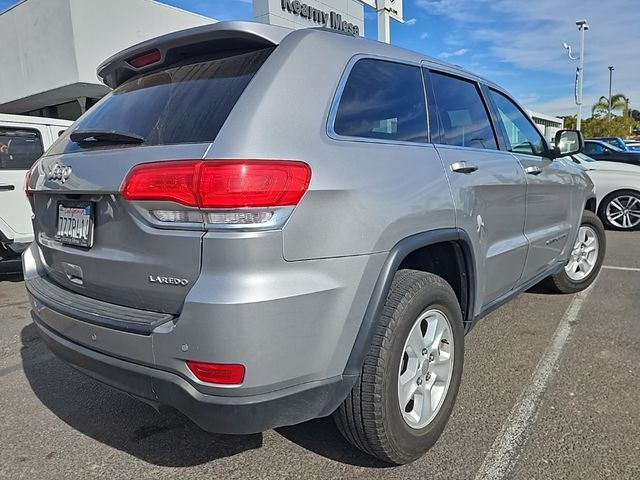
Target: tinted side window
<point>590,147</point>
<point>463,118</point>
<point>522,134</point>
<point>383,100</point>
<point>19,148</point>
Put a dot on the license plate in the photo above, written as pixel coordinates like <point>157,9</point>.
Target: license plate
<point>75,224</point>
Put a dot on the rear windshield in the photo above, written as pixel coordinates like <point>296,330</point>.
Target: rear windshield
<point>182,104</point>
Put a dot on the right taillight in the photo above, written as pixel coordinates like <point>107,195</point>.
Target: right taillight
<point>228,193</point>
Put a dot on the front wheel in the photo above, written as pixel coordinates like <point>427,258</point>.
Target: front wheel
<point>621,210</point>
<point>410,378</point>
<point>586,257</point>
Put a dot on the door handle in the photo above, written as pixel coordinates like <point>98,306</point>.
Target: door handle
<point>7,188</point>
<point>533,170</point>
<point>462,167</point>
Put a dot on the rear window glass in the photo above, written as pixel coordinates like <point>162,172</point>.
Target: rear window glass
<point>464,120</point>
<point>182,104</point>
<point>19,148</point>
<point>383,100</point>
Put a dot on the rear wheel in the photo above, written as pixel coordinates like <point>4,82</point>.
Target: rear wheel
<point>621,210</point>
<point>410,378</point>
<point>586,257</point>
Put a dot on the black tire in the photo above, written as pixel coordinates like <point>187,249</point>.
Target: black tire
<point>560,282</point>
<point>370,417</point>
<point>602,210</point>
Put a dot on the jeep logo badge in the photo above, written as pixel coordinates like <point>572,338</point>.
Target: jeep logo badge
<point>58,173</point>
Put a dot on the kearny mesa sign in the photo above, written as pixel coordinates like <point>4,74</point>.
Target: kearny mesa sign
<point>329,19</point>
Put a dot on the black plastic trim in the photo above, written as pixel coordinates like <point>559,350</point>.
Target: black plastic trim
<point>236,415</point>
<point>383,285</point>
<point>498,302</point>
<point>94,311</point>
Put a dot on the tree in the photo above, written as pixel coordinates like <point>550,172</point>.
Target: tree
<point>601,107</point>
<point>569,121</point>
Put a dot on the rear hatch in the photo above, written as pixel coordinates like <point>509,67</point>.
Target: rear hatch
<point>93,240</point>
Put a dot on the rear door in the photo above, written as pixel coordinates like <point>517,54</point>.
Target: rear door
<point>552,196</point>
<point>488,185</point>
<point>20,146</point>
<point>143,254</point>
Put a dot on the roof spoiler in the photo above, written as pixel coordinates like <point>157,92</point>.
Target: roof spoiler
<point>193,42</point>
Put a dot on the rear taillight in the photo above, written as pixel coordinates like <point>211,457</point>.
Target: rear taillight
<point>230,193</point>
<point>222,373</point>
<point>27,181</point>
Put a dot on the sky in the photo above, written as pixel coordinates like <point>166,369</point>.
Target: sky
<point>515,43</point>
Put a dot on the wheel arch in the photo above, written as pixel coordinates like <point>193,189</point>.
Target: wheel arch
<point>418,252</point>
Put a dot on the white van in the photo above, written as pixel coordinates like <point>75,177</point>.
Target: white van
<point>22,141</point>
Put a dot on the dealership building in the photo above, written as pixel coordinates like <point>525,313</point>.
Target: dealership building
<point>51,49</point>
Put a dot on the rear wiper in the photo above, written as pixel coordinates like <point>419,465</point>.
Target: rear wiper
<point>104,136</point>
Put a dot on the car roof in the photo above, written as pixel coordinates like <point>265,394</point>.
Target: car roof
<point>115,70</point>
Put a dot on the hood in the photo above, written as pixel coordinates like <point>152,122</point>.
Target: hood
<point>615,166</point>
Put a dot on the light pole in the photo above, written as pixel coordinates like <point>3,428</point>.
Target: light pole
<point>611,69</point>
<point>582,27</point>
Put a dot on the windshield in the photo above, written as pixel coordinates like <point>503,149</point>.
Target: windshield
<point>182,104</point>
<point>613,147</point>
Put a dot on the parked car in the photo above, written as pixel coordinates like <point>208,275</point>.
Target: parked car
<point>605,151</point>
<point>262,226</point>
<point>633,145</point>
<point>22,141</point>
<point>615,141</point>
<point>618,191</point>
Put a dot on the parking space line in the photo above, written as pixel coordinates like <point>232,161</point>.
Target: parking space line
<point>506,448</point>
<point>626,269</point>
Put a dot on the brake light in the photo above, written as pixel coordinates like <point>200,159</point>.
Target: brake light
<point>27,181</point>
<point>144,59</point>
<point>220,184</point>
<point>222,373</point>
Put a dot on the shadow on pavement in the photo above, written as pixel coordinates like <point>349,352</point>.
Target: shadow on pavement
<point>120,421</point>
<point>322,437</point>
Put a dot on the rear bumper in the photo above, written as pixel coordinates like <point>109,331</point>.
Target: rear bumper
<point>236,415</point>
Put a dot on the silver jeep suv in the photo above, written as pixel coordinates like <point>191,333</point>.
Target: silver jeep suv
<point>261,226</point>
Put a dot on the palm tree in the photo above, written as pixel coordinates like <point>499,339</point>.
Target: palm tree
<point>601,107</point>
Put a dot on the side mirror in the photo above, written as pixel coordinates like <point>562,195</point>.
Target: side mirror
<point>567,142</point>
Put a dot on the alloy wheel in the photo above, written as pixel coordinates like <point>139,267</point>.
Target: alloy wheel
<point>425,368</point>
<point>584,255</point>
<point>624,211</point>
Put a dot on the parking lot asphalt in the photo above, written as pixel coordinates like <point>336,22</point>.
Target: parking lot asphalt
<point>551,389</point>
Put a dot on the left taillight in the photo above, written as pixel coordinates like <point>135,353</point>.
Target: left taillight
<point>27,182</point>
<point>228,193</point>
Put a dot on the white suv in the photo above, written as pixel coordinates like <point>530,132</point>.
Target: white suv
<point>22,141</point>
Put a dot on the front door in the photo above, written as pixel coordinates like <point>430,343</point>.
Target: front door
<point>552,196</point>
<point>488,185</point>
<point>20,147</point>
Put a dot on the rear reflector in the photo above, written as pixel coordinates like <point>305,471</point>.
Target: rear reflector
<point>147,58</point>
<point>223,373</point>
<point>220,183</point>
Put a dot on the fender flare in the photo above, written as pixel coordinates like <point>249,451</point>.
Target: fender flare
<point>381,290</point>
